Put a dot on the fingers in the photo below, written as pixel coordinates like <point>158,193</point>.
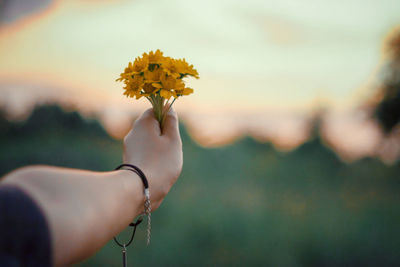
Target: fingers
<point>171,125</point>
<point>148,121</point>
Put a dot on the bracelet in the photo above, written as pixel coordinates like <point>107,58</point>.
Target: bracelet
<point>137,171</point>
<point>147,204</point>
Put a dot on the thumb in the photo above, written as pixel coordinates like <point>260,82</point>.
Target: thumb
<point>148,122</point>
<point>171,125</point>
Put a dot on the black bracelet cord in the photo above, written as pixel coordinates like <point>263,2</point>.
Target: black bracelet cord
<point>139,172</point>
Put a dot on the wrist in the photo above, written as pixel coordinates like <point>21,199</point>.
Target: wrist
<point>133,190</point>
<point>147,202</point>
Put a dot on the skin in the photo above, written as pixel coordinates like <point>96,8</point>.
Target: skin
<point>86,209</point>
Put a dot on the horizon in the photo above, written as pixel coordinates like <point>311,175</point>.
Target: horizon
<point>209,140</point>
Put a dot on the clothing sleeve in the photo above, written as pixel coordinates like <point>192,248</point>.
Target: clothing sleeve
<point>24,232</point>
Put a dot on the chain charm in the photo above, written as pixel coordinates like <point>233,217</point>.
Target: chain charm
<point>124,259</point>
<point>147,211</point>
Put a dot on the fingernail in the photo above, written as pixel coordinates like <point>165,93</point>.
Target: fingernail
<point>172,111</point>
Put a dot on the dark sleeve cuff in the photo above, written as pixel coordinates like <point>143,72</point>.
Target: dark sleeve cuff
<point>24,232</point>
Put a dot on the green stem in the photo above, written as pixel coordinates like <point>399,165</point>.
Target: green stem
<point>171,104</point>
<point>160,108</point>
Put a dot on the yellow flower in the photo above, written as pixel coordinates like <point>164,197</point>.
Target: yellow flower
<point>184,91</point>
<point>186,69</point>
<point>157,85</point>
<point>166,94</point>
<point>136,82</point>
<point>133,86</point>
<point>148,89</point>
<point>140,65</point>
<point>171,67</point>
<point>153,76</point>
<point>137,67</point>
<point>154,57</point>
<point>169,84</point>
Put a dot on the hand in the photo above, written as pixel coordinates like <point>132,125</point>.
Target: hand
<point>158,154</point>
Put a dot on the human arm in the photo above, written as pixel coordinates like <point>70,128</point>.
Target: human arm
<point>86,209</point>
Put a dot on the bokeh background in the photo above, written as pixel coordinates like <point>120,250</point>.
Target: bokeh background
<point>291,140</point>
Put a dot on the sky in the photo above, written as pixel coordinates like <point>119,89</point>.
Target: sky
<point>263,65</point>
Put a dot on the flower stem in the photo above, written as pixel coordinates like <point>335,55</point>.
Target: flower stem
<point>160,108</point>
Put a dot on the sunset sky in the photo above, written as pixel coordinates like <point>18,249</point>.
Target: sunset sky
<point>263,65</point>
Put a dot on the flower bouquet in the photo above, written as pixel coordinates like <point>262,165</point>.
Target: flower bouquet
<point>158,78</point>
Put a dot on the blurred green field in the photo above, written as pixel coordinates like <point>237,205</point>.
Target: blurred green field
<point>244,204</point>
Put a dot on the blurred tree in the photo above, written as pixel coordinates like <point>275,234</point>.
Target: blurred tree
<point>53,136</point>
<point>387,111</point>
<point>5,125</point>
<point>52,118</point>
